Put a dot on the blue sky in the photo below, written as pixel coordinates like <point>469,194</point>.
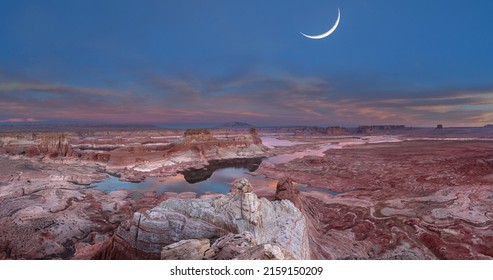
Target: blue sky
<point>417,63</point>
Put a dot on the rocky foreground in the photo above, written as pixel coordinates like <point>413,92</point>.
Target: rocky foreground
<point>47,206</point>
<point>414,199</point>
<point>238,225</point>
<point>46,213</point>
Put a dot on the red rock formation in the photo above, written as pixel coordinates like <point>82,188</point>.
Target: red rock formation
<point>132,153</point>
<point>285,190</point>
<point>337,130</point>
<point>35,144</point>
<point>406,200</point>
<point>190,249</point>
<point>374,128</point>
<point>175,220</point>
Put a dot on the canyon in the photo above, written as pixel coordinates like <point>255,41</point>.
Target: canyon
<point>372,192</point>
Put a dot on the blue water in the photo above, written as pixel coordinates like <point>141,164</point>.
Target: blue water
<point>272,142</point>
<point>218,182</point>
<point>309,152</point>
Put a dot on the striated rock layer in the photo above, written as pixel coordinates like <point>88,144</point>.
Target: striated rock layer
<point>242,246</point>
<point>136,154</point>
<point>47,215</point>
<point>405,200</point>
<point>271,226</point>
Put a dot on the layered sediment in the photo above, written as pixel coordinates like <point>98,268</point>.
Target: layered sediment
<point>132,155</point>
<point>414,199</point>
<point>48,208</point>
<point>405,200</point>
<point>46,214</point>
<point>268,229</point>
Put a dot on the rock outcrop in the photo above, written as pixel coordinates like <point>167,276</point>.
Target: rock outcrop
<point>197,149</point>
<point>134,154</point>
<point>38,144</point>
<point>190,249</point>
<point>285,190</point>
<point>272,225</point>
<point>242,246</point>
<point>44,215</point>
<point>337,130</point>
<point>197,135</point>
<point>372,128</point>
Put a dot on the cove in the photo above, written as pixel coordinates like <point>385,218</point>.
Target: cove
<point>214,178</point>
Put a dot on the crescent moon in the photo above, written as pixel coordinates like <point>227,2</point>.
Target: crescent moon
<point>323,35</point>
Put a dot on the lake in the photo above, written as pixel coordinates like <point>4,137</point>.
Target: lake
<point>216,177</point>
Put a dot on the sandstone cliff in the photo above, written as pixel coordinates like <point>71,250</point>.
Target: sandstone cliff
<point>131,153</point>
<point>267,229</point>
<point>37,144</point>
<point>197,148</point>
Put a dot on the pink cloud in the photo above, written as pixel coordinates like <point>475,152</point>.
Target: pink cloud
<point>283,100</point>
<point>16,120</point>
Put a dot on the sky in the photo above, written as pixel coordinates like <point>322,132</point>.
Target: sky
<point>191,63</point>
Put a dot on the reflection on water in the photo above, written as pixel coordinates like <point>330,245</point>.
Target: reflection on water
<point>216,177</point>
<point>309,152</point>
<point>271,142</point>
<point>197,175</point>
<point>218,182</point>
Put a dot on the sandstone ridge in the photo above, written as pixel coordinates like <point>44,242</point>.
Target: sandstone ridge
<point>238,225</point>
<point>132,155</point>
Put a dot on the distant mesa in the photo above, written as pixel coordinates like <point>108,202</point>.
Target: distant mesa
<point>337,130</point>
<point>235,125</point>
<point>197,132</point>
<point>371,128</point>
<point>439,126</point>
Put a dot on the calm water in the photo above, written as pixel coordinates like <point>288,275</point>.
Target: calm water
<point>272,142</point>
<point>216,177</point>
<point>288,157</point>
<point>218,182</point>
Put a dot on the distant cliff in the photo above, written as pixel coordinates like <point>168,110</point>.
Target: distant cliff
<point>137,152</point>
<point>235,125</point>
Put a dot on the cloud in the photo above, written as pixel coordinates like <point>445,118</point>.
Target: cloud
<point>260,99</point>
<point>17,120</point>
<point>52,88</point>
<point>293,99</point>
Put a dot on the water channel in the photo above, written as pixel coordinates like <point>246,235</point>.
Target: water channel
<point>218,175</point>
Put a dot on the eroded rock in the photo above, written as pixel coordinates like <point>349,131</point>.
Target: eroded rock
<point>180,219</point>
<point>244,246</point>
<point>286,190</point>
<point>189,249</point>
